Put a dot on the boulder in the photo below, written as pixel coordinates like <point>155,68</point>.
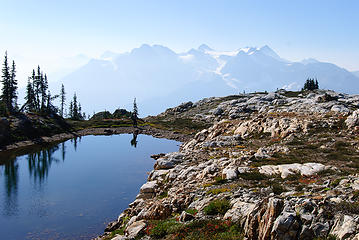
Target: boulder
<point>266,152</point>
<point>240,211</point>
<point>340,109</point>
<point>185,217</point>
<point>229,173</point>
<point>218,111</point>
<point>168,161</point>
<point>272,209</point>
<point>149,187</point>
<point>344,227</point>
<point>320,229</point>
<point>353,119</point>
<point>285,227</point>
<point>306,169</point>
<point>157,211</point>
<point>135,228</point>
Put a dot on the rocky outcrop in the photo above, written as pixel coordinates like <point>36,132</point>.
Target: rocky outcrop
<point>353,119</point>
<point>306,169</point>
<point>270,158</point>
<point>4,131</point>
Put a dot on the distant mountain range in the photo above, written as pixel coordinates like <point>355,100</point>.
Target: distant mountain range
<point>160,78</point>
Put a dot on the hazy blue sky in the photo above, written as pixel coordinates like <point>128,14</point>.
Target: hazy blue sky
<point>43,31</point>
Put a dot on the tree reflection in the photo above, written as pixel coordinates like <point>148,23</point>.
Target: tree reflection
<point>74,141</point>
<point>11,185</point>
<point>40,163</point>
<point>134,139</point>
<point>63,151</point>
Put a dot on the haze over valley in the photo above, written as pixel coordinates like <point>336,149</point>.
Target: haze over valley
<point>160,78</point>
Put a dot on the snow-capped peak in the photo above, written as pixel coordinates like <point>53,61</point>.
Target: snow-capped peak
<point>247,50</point>
<point>269,52</point>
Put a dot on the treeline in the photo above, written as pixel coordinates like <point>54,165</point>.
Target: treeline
<point>38,98</point>
<point>311,84</point>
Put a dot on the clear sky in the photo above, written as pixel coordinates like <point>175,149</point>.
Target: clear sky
<point>41,31</point>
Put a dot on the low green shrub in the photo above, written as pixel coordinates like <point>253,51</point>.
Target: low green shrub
<point>208,229</point>
<point>163,195</point>
<point>191,211</point>
<point>159,229</point>
<point>219,181</point>
<point>219,206</point>
<point>254,175</point>
<point>278,188</point>
<point>348,207</point>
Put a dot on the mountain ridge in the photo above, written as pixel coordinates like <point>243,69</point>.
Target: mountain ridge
<point>156,72</point>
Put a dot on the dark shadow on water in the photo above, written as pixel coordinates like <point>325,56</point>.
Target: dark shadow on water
<point>134,139</point>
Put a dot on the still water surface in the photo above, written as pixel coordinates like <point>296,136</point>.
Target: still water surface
<point>71,190</point>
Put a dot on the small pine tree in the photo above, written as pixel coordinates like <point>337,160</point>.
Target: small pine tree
<point>30,96</point>
<point>13,86</point>
<point>79,114</point>
<point>71,110</point>
<point>134,115</point>
<point>43,90</point>
<point>74,107</point>
<point>48,102</point>
<point>37,87</point>
<point>62,100</point>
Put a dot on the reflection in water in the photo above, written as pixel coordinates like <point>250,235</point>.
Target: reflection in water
<point>74,141</point>
<point>134,139</point>
<point>44,198</point>
<point>63,151</point>
<point>38,165</point>
<point>11,183</point>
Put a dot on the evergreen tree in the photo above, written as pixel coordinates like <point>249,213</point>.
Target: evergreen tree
<point>134,115</point>
<point>13,86</point>
<point>135,109</point>
<point>30,96</point>
<point>310,84</point>
<point>43,90</point>
<point>63,98</point>
<point>5,95</point>
<point>75,109</point>
<point>71,110</point>
<point>37,87</point>
<point>48,102</point>
<point>79,114</point>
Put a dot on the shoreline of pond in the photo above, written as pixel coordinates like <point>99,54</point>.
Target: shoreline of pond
<point>23,146</point>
